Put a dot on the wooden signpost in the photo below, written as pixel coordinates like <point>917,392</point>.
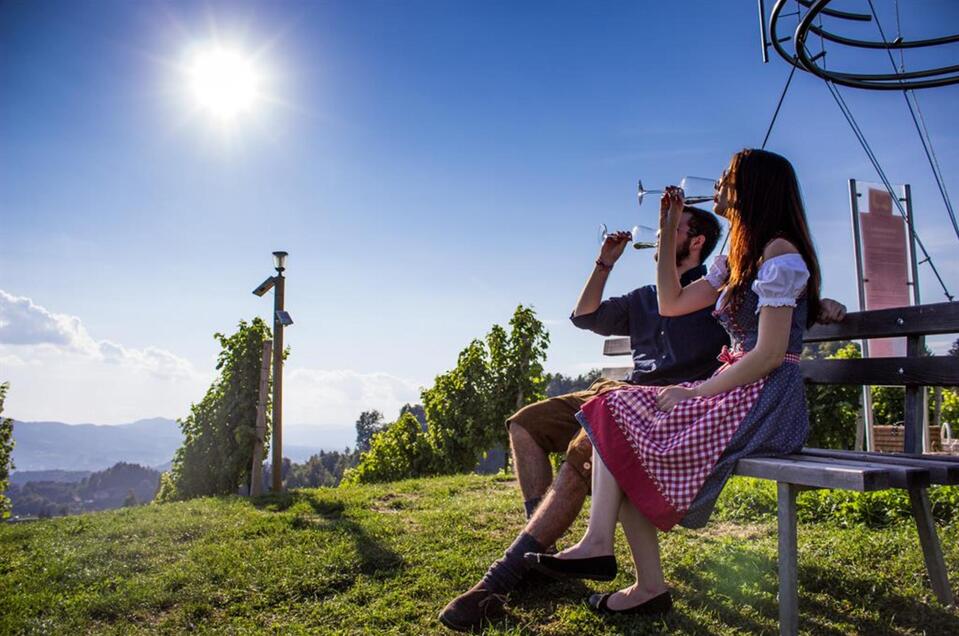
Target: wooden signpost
<point>256,474</point>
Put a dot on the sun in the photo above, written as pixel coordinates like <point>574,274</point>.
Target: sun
<point>225,83</point>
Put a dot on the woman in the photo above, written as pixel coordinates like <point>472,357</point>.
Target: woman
<point>662,455</point>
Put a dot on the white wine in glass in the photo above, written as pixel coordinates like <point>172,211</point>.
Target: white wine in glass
<point>695,190</point>
<point>642,236</point>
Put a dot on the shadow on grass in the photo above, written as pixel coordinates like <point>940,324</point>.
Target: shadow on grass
<point>376,559</point>
<point>737,586</point>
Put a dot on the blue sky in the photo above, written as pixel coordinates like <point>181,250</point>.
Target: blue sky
<point>428,165</point>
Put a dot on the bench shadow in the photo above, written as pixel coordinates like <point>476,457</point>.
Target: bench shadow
<point>739,588</point>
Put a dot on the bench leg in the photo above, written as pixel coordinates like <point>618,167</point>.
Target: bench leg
<point>931,550</point>
<point>788,571</point>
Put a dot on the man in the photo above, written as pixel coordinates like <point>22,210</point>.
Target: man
<point>665,351</point>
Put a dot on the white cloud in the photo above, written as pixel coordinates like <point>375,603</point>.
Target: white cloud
<point>27,329</point>
<point>324,404</point>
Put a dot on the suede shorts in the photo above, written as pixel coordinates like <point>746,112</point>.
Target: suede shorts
<point>553,425</point>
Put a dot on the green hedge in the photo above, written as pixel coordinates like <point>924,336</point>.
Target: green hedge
<point>747,499</point>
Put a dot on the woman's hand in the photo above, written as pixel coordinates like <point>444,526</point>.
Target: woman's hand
<point>671,209</point>
<point>830,311</point>
<point>670,396</point>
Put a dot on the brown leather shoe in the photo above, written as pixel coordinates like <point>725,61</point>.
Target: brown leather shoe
<point>473,608</point>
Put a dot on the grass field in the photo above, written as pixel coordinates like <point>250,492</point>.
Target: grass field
<point>385,559</point>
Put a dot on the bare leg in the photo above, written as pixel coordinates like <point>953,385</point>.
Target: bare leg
<point>533,469</point>
<point>603,511</point>
<point>643,542</point>
<point>559,508</point>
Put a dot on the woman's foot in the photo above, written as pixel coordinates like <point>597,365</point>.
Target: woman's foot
<point>632,600</point>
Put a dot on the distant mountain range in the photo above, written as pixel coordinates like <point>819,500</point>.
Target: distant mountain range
<point>55,446</point>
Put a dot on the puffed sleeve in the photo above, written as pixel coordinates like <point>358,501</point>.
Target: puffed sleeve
<point>780,281</point>
<point>718,272</point>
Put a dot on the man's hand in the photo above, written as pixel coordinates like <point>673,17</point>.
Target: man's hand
<point>670,396</point>
<point>830,311</point>
<point>671,209</point>
<point>613,247</point>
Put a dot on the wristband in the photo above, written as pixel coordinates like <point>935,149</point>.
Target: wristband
<point>603,266</point>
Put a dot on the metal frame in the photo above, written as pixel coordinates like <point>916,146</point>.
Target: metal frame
<point>802,59</point>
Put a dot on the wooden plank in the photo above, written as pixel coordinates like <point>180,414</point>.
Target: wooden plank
<point>937,318</point>
<point>617,347</point>
<point>899,476</point>
<point>616,373</point>
<point>792,469</point>
<point>940,472</point>
<point>256,472</point>
<point>938,370</point>
<point>931,550</point>
<point>788,560</point>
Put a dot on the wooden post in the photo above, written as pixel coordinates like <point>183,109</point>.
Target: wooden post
<point>931,549</point>
<point>278,292</point>
<point>256,474</point>
<point>914,407</point>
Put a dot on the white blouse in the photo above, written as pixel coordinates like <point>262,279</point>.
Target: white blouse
<point>779,281</point>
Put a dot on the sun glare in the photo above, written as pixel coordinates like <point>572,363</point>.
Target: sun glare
<point>224,82</point>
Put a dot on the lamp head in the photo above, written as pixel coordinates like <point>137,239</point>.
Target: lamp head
<point>279,260</point>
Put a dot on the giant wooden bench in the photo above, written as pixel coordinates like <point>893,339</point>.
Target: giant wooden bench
<point>861,471</point>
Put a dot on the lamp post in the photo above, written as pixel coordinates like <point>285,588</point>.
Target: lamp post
<point>281,319</point>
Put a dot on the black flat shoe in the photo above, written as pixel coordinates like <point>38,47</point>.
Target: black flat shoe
<point>601,568</point>
<point>656,606</point>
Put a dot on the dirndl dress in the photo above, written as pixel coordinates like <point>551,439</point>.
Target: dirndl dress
<point>673,465</point>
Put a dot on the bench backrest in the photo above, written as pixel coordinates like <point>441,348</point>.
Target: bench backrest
<point>913,371</point>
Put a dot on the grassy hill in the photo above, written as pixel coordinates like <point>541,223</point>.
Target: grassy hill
<point>385,559</point>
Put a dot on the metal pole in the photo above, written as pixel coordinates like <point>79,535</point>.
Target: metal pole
<point>278,383</point>
<point>861,287</point>
<point>914,265</point>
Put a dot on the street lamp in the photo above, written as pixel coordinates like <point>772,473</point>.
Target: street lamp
<point>281,319</point>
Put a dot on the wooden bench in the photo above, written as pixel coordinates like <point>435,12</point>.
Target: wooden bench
<point>861,471</point>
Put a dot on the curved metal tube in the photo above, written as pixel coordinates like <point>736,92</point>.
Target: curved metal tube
<point>941,76</point>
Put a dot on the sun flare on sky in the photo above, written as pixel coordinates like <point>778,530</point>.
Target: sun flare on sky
<point>225,83</point>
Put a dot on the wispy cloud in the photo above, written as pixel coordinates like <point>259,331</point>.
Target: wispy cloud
<point>29,331</point>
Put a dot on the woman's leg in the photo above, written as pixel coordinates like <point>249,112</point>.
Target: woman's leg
<point>644,545</point>
<point>603,511</point>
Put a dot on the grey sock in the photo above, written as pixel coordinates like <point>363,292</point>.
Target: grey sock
<point>506,572</point>
<point>531,505</point>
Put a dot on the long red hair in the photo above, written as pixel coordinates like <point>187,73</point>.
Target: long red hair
<point>766,204</point>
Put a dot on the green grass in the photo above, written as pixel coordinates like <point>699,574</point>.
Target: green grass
<point>385,559</point>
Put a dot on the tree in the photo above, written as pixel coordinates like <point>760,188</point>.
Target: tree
<point>954,350</point>
<point>217,450</point>
<point>833,409</point>
<point>466,408</point>
<point>130,500</point>
<point>559,384</point>
<point>368,424</point>
<point>401,451</point>
<point>6,453</point>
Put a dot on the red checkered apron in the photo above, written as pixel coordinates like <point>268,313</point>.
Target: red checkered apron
<point>661,459</point>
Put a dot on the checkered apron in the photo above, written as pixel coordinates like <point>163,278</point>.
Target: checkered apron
<point>670,454</point>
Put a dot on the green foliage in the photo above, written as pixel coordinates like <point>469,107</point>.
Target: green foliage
<point>219,433</point>
<point>466,408</point>
<point>323,469</point>
<point>950,409</point>
<point>368,424</point>
<point>559,384</point>
<point>833,409</point>
<point>398,452</point>
<point>6,453</point>
<point>747,499</point>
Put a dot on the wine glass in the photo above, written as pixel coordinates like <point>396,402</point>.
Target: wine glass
<point>695,190</point>
<point>642,236</point>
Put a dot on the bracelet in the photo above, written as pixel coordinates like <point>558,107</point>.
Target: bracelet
<point>603,266</point>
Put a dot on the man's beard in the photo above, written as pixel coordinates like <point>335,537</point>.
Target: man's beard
<point>681,253</point>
